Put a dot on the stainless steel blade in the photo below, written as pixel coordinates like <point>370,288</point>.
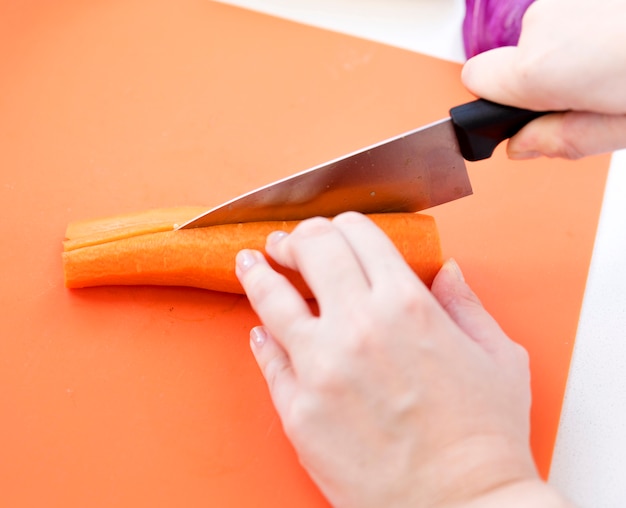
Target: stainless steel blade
<point>408,173</point>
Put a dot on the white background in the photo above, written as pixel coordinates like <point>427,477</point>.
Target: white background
<point>589,461</point>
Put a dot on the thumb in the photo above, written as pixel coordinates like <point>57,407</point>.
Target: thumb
<point>498,76</point>
<point>466,310</point>
<point>569,135</point>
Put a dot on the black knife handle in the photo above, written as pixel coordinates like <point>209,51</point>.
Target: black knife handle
<point>481,125</point>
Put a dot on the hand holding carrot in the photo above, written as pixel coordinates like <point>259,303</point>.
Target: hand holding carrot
<point>392,395</point>
<point>570,57</point>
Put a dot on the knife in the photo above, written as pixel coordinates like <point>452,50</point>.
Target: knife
<point>407,173</point>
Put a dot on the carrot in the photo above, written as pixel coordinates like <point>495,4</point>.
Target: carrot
<point>95,231</point>
<point>144,249</point>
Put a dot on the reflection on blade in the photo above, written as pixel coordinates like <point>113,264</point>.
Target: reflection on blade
<point>408,173</point>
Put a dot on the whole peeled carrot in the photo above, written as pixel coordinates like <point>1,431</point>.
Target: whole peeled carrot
<point>144,249</point>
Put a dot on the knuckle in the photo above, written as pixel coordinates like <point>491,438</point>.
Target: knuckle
<point>293,249</point>
<point>369,325</point>
<point>258,283</point>
<point>273,371</point>
<point>409,300</point>
<point>555,135</point>
<point>301,412</point>
<point>465,299</point>
<point>569,136</point>
<point>363,322</point>
<point>312,227</point>
<point>349,217</point>
<point>458,299</point>
<point>570,150</point>
<point>326,376</point>
<point>330,373</point>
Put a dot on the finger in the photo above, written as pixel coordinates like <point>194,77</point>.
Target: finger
<point>465,309</point>
<point>491,75</point>
<point>376,253</point>
<point>569,135</point>
<point>325,259</point>
<point>278,304</point>
<point>276,367</point>
<point>500,75</point>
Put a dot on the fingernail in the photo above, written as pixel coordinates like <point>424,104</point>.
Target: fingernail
<point>276,236</point>
<point>518,156</point>
<point>455,269</point>
<point>246,259</point>
<point>258,336</point>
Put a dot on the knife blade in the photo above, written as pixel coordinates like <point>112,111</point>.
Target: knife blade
<point>407,173</point>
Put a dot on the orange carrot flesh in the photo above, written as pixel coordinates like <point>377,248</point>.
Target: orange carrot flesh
<point>154,254</point>
<point>93,232</point>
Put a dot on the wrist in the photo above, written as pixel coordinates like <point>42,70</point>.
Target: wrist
<point>492,472</point>
<point>485,469</point>
<point>521,494</point>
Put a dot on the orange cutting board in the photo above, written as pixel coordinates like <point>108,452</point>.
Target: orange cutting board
<point>150,396</point>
